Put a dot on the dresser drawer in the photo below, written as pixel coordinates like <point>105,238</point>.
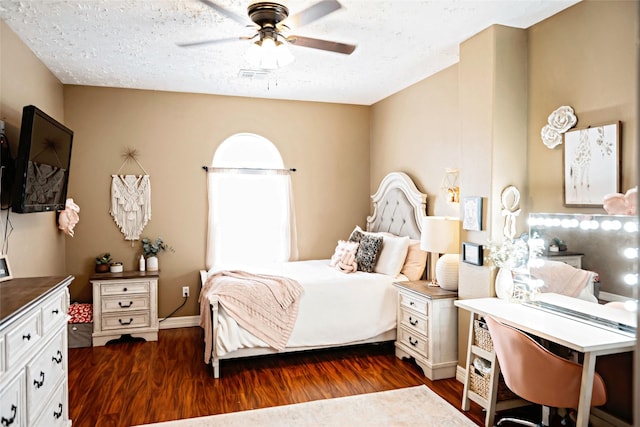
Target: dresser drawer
<point>45,372</point>
<point>124,321</point>
<point>123,288</point>
<point>420,305</point>
<point>125,303</point>
<point>12,405</point>
<point>55,412</point>
<point>22,338</point>
<point>415,341</point>
<point>414,321</point>
<point>54,312</point>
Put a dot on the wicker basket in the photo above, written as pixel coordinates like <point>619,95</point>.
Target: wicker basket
<point>481,336</point>
<point>479,383</point>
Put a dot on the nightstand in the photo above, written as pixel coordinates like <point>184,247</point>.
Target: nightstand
<point>574,259</point>
<point>125,304</point>
<point>428,328</point>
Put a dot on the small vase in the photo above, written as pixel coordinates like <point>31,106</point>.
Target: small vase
<point>152,263</point>
<point>504,284</point>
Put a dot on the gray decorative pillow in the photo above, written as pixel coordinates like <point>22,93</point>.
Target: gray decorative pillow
<point>368,250</point>
<point>356,235</point>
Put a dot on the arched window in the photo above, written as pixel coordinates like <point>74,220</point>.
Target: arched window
<point>251,217</point>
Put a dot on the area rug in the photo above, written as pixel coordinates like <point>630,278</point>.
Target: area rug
<point>412,406</point>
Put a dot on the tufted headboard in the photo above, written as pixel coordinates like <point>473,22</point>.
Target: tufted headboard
<point>398,207</point>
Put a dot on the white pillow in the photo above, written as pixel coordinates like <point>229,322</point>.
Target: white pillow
<point>392,256</point>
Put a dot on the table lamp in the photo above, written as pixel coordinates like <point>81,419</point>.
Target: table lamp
<point>441,235</point>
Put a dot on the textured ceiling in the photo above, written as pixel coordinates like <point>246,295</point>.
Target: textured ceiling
<point>132,44</point>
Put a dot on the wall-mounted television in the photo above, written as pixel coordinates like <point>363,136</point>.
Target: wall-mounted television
<point>42,164</point>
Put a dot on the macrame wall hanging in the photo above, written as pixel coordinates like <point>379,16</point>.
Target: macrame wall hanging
<point>131,199</point>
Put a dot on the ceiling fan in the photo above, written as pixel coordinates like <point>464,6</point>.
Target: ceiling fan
<point>271,21</point>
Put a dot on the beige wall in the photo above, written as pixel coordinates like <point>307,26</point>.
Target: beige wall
<point>35,247</point>
<point>585,57</point>
<point>175,134</point>
<point>417,131</point>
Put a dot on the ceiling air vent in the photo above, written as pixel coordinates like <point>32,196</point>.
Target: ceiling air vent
<point>253,74</point>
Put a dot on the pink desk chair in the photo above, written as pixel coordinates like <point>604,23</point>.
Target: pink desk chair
<point>537,375</point>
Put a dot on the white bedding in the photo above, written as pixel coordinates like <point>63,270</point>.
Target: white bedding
<point>335,308</point>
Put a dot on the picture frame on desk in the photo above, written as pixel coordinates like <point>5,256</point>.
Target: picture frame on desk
<point>5,270</point>
<point>472,253</point>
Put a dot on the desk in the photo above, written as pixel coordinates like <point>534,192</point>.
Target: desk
<point>585,338</point>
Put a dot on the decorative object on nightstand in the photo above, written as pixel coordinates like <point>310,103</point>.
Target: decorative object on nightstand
<point>152,249</point>
<point>124,304</point>
<point>441,235</point>
<point>102,263</point>
<point>428,328</point>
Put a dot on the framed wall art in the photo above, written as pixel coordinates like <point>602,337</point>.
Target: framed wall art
<point>591,164</point>
<point>471,253</point>
<point>472,213</point>
<point>5,271</point>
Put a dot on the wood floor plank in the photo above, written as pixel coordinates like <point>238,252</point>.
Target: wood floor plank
<point>129,383</point>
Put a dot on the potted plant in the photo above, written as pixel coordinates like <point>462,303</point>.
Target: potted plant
<point>102,262</point>
<point>151,249</point>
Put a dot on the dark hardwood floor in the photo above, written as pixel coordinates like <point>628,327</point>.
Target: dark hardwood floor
<point>133,382</point>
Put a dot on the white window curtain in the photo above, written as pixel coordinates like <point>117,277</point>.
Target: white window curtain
<point>251,218</point>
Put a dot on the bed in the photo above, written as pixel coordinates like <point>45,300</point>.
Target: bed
<point>335,308</point>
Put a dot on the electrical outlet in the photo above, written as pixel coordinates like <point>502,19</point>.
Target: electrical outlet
<point>185,291</point>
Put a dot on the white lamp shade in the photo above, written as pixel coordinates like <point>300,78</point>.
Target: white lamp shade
<point>440,235</point>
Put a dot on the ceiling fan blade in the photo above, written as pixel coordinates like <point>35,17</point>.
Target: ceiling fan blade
<point>242,20</point>
<point>344,48</point>
<point>206,42</point>
<point>312,13</point>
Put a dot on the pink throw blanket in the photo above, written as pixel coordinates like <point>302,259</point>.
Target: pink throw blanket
<point>561,278</point>
<point>266,306</point>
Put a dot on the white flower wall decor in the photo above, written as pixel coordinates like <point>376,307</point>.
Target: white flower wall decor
<point>560,121</point>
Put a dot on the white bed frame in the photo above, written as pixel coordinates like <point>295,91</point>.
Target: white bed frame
<point>398,208</point>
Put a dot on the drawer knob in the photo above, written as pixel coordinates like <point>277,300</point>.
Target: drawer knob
<point>413,322</point>
<point>8,421</point>
<point>411,303</point>
<point>40,383</point>
<point>27,337</point>
<point>125,290</point>
<point>126,323</point>
<point>124,305</point>
<point>57,358</point>
<point>413,342</point>
<point>55,311</point>
<point>58,414</point>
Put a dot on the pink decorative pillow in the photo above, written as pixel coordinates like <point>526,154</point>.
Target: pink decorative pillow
<point>415,262</point>
<point>344,257</point>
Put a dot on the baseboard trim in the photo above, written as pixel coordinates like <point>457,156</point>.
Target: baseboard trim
<point>180,322</point>
<point>461,374</point>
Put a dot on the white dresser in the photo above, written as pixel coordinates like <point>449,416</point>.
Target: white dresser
<point>125,304</point>
<point>33,352</point>
<point>428,328</point>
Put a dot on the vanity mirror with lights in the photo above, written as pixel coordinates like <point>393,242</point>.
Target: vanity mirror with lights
<point>607,245</point>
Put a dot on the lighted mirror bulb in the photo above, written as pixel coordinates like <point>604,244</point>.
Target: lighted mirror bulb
<point>631,305</point>
<point>630,227</point>
<point>631,279</point>
<point>631,253</point>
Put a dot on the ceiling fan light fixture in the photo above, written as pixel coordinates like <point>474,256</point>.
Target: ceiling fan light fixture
<point>269,54</point>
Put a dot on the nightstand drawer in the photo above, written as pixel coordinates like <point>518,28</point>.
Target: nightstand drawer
<point>415,341</point>
<point>414,321</point>
<point>122,288</point>
<point>125,303</point>
<point>420,305</point>
<point>124,321</point>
